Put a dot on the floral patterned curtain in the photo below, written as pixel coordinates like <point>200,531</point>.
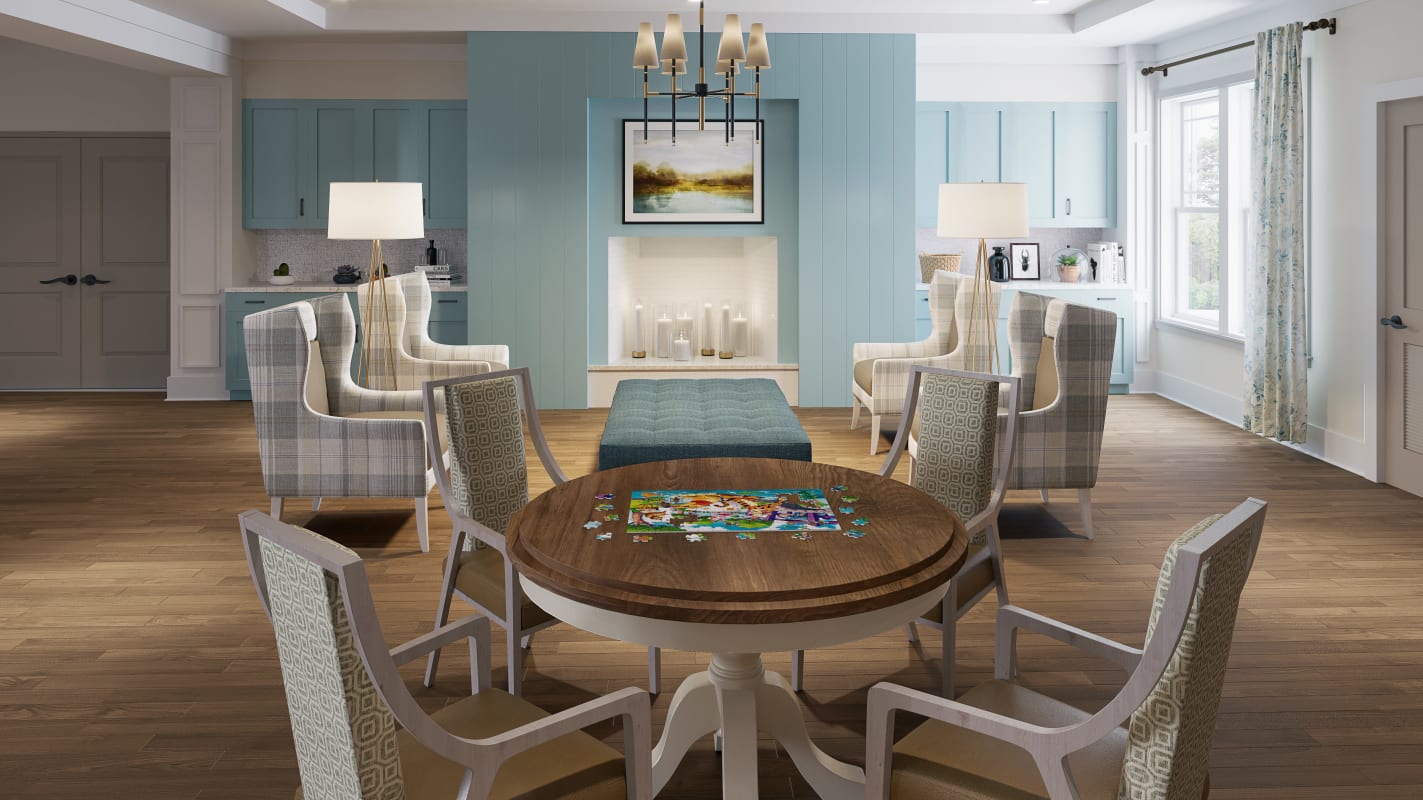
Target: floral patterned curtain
<point>1276,402</point>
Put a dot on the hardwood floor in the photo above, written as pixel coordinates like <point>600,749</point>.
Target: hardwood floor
<point>135,660</point>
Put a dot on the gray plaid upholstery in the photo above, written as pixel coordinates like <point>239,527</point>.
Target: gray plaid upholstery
<point>307,453</point>
<point>391,365</point>
<point>346,745</point>
<point>1060,446</point>
<point>894,360</point>
<point>489,472</point>
<point>957,443</point>
<point>418,302</point>
<point>1169,736</point>
<point>976,357</point>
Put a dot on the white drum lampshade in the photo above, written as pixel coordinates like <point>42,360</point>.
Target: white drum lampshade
<point>983,210</point>
<point>379,210</point>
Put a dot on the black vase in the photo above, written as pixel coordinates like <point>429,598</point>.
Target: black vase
<point>998,266</point>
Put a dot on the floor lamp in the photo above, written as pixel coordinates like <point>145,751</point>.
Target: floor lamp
<point>982,211</point>
<point>376,211</point>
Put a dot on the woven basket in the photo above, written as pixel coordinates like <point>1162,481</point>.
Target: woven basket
<point>928,262</point>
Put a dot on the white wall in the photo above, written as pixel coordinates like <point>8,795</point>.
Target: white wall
<point>1059,83</point>
<point>51,90</point>
<point>1376,43</point>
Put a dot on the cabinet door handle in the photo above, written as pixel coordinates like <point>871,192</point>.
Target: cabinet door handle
<point>67,280</point>
<point>1069,206</point>
<point>255,302</point>
<point>301,207</point>
<point>1106,298</point>
<point>451,300</point>
<point>91,280</point>
<point>425,205</point>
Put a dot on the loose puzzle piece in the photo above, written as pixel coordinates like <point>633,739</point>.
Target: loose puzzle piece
<point>603,537</point>
<point>696,537</point>
<point>604,507</point>
<point>612,518</point>
<point>591,524</point>
<point>801,537</point>
<point>603,496</point>
<point>850,499</point>
<point>855,534</point>
<point>746,536</point>
<point>860,521</point>
<point>837,488</point>
<point>847,509</point>
<point>642,539</point>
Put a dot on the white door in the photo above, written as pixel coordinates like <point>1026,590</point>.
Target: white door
<point>40,263</point>
<point>1403,321</point>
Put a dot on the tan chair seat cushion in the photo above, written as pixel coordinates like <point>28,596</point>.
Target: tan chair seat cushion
<point>573,766</point>
<point>937,760</point>
<point>970,582</point>
<point>864,372</point>
<point>418,416</point>
<point>481,578</point>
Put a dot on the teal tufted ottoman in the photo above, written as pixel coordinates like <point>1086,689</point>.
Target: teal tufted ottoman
<point>690,418</point>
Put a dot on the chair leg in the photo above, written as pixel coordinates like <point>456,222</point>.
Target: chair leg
<point>315,504</point>
<point>912,631</point>
<point>874,434</point>
<point>654,670</point>
<point>442,615</point>
<point>1084,501</point>
<point>854,411</point>
<point>514,624</point>
<point>948,673</point>
<point>1043,492</point>
<point>277,508</point>
<point>422,521</point>
<point>797,670</point>
<point>526,641</point>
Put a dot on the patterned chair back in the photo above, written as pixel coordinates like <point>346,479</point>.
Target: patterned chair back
<point>489,471</point>
<point>1169,735</point>
<point>345,738</point>
<point>943,291</point>
<point>957,441</point>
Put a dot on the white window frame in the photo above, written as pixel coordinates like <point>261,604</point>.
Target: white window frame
<point>1171,282</point>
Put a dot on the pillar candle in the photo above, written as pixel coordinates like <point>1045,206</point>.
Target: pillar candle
<point>725,329</point>
<point>740,336</point>
<point>681,349</point>
<point>684,324</point>
<point>664,337</point>
<point>708,343</point>
<point>639,330</point>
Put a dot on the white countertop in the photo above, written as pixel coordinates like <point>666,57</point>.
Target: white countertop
<point>328,286</point>
<point>1086,286</point>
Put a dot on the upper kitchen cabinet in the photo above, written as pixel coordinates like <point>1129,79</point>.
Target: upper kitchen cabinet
<point>294,149</point>
<point>1064,152</point>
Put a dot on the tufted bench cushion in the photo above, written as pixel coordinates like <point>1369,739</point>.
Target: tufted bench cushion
<point>690,418</point>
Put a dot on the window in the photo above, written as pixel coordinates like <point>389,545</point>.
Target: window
<point>1205,207</point>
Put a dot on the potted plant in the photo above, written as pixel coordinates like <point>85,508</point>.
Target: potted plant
<point>282,275</point>
<point>1068,268</point>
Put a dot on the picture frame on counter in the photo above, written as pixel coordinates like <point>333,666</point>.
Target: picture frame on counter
<point>1025,261</point>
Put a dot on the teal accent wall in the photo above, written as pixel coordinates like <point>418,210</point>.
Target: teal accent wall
<point>533,212</point>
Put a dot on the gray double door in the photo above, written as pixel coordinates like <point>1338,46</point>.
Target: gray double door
<point>83,263</point>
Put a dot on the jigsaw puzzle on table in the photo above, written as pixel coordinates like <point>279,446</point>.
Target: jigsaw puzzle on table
<point>790,510</point>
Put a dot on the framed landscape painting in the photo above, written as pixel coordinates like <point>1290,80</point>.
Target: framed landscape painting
<point>700,179</point>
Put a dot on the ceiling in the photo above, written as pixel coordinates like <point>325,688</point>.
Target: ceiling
<point>1097,23</point>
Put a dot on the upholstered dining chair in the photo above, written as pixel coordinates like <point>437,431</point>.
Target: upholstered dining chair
<point>318,433</point>
<point>409,357</point>
<point>419,302</point>
<point>880,371</point>
<point>346,697</point>
<point>1152,740</point>
<point>964,461</point>
<point>485,483</point>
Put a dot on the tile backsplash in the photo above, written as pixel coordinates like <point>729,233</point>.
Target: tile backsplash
<point>313,257</point>
<point>1049,240</point>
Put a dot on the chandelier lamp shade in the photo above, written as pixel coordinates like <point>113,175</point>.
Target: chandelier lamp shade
<point>733,54</point>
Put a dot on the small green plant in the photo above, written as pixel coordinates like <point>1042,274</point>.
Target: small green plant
<point>1067,260</point>
<point>283,270</point>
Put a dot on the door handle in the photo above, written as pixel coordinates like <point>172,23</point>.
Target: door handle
<point>67,280</point>
<point>1069,206</point>
<point>301,207</point>
<point>1395,322</point>
<point>90,280</point>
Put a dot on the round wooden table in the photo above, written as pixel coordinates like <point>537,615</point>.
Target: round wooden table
<point>737,598</point>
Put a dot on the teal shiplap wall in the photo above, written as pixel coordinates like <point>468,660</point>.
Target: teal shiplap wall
<point>529,196</point>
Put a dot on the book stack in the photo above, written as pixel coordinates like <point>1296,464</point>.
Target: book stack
<point>438,274</point>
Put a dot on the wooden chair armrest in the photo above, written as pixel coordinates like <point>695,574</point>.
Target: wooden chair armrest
<point>475,629</point>
<point>1012,619</point>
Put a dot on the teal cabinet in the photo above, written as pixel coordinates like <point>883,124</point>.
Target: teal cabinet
<point>294,149</point>
<point>448,325</point>
<point>1064,152</point>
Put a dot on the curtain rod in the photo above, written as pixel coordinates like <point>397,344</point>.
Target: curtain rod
<point>1327,23</point>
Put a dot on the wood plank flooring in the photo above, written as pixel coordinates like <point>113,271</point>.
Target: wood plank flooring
<point>135,660</point>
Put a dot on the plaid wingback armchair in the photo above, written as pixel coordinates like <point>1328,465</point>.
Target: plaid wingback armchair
<point>419,300</point>
<point>881,370</point>
<point>319,434</point>
<point>1062,353</point>
<point>409,357</point>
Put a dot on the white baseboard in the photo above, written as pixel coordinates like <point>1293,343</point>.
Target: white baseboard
<point>197,387</point>
<point>1343,451</point>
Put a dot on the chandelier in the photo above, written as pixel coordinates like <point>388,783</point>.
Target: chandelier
<point>732,55</point>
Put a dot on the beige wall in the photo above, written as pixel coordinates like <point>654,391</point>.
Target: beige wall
<point>354,80</point>
<point>51,90</point>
